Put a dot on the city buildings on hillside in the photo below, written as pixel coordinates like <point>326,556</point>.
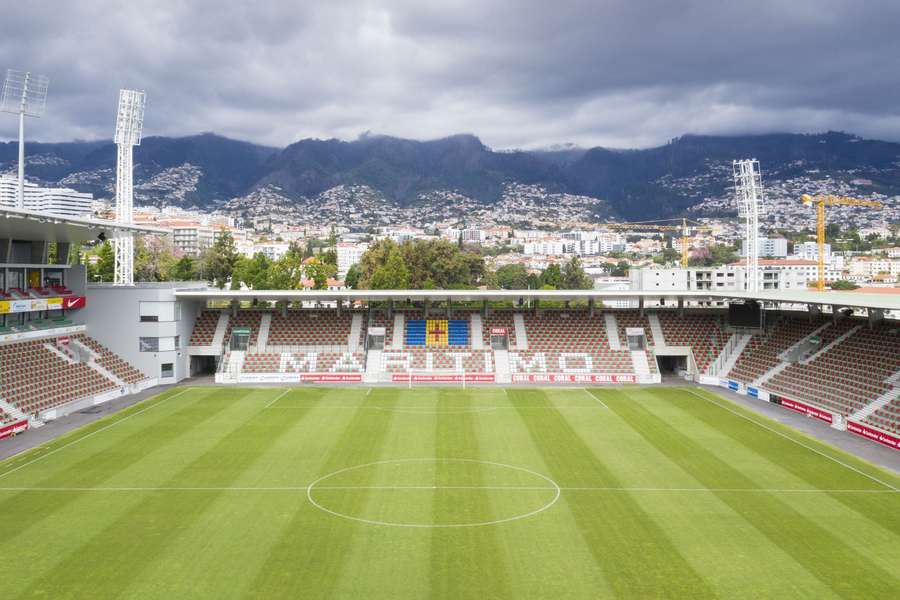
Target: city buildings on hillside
<point>57,201</point>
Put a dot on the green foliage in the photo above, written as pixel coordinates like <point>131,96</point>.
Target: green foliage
<point>713,256</point>
<point>552,276</point>
<point>843,284</point>
<point>104,268</point>
<point>219,260</point>
<point>287,272</point>
<point>319,272</point>
<point>392,275</point>
<point>183,269</point>
<point>512,277</point>
<point>351,279</point>
<point>253,272</point>
<point>154,258</point>
<point>574,277</point>
<point>436,264</point>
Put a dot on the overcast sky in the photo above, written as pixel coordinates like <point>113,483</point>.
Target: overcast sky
<point>627,73</point>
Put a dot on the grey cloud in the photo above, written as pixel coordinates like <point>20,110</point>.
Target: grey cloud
<point>519,74</point>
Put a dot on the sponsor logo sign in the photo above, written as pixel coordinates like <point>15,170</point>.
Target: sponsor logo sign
<point>733,385</point>
<point>498,330</point>
<point>881,437</point>
<point>13,429</point>
<point>752,391</point>
<point>54,303</point>
<point>17,306</point>
<point>571,378</point>
<point>444,377</point>
<point>39,304</point>
<point>4,307</point>
<point>331,377</point>
<point>74,302</point>
<point>812,411</point>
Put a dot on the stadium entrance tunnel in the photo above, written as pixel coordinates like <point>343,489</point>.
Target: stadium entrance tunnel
<point>434,493</point>
<point>203,365</point>
<point>671,365</point>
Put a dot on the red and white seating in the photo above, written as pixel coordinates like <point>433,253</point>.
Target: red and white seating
<point>308,362</point>
<point>205,328</point>
<point>761,353</point>
<point>703,333</point>
<point>502,319</point>
<point>310,328</point>
<point>245,318</point>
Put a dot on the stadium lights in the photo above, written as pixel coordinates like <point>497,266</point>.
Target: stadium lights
<point>129,127</point>
<point>749,192</point>
<point>24,94</point>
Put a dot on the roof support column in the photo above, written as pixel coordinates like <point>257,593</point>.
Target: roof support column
<point>876,316</point>
<point>641,305</point>
<point>427,306</point>
<point>390,311</point>
<point>591,306</point>
<point>449,310</point>
<point>484,308</point>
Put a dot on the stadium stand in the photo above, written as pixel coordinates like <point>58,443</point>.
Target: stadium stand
<point>310,328</point>
<point>846,376</point>
<point>502,319</point>
<point>761,353</point>
<point>704,333</point>
<point>310,362</point>
<point>245,318</point>
<point>204,328</point>
<point>5,417</point>
<point>111,361</point>
<point>887,417</point>
<point>37,379</point>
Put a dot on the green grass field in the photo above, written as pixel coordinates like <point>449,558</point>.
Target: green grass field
<point>446,493</point>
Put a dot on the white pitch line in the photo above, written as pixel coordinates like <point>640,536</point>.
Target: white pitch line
<point>445,487</point>
<point>93,433</point>
<point>277,398</point>
<point>602,403</point>
<point>799,443</point>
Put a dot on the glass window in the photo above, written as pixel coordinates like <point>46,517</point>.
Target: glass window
<point>149,344</point>
<point>167,370</point>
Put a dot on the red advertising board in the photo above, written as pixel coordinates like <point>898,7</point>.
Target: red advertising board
<point>331,377</point>
<point>818,413</point>
<point>13,429</point>
<point>74,302</point>
<point>445,377</point>
<point>571,378</point>
<point>891,441</point>
<point>498,330</point>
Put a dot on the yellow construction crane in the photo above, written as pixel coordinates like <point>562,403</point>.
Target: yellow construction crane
<point>685,228</point>
<point>821,202</point>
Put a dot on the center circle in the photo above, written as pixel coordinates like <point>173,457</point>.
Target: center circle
<point>433,493</point>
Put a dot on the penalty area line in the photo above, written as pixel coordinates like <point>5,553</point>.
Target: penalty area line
<point>277,398</point>
<point>589,393</point>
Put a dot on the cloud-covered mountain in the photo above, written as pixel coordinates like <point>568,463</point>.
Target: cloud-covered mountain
<point>208,170</point>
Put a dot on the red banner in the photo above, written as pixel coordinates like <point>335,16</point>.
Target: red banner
<point>571,378</point>
<point>891,441</point>
<point>74,302</point>
<point>818,413</point>
<point>13,429</point>
<point>498,330</point>
<point>444,377</point>
<point>331,377</point>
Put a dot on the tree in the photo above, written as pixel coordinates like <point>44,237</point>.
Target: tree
<point>512,277</point>
<point>843,284</point>
<point>105,267</point>
<point>429,263</point>
<point>287,272</point>
<point>154,258</point>
<point>183,269</point>
<point>574,277</point>
<point>373,259</point>
<point>219,260</point>
<point>253,272</point>
<point>393,275</point>
<point>351,279</point>
<point>552,276</point>
<point>319,272</point>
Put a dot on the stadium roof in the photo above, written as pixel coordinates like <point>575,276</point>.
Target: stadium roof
<point>830,298</point>
<point>30,225</point>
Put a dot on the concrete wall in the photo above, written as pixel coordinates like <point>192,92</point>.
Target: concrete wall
<point>112,316</point>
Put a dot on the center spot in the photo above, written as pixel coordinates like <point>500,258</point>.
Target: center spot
<point>430,492</point>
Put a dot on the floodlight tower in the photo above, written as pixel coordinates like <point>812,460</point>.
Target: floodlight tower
<point>129,124</point>
<point>749,191</point>
<point>24,94</point>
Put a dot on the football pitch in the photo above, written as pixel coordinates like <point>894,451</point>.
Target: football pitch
<point>620,492</point>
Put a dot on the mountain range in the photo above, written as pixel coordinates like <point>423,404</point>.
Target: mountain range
<point>207,170</point>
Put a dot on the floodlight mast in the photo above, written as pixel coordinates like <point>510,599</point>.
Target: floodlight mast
<point>129,126</point>
<point>24,94</point>
<point>749,192</point>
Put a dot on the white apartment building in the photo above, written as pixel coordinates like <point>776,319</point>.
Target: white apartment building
<point>774,274</point>
<point>769,247</point>
<point>271,250</point>
<point>190,237</point>
<point>866,268</point>
<point>810,251</point>
<point>58,201</point>
<point>349,255</point>
<point>548,247</point>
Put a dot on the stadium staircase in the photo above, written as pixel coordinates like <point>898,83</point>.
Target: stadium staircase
<point>811,357</point>
<point>477,331</point>
<point>399,327</point>
<point>641,364</point>
<point>659,339</point>
<point>879,403</point>
<point>221,328</point>
<point>501,366</point>
<point>730,354</point>
<point>373,366</point>
<point>14,414</point>
<point>355,340</point>
<point>612,331</point>
<point>521,335</point>
<point>265,324</point>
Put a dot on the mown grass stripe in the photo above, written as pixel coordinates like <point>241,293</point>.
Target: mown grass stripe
<point>815,469</point>
<point>133,541</point>
<point>461,556</point>
<point>633,552</point>
<point>331,538</point>
<point>828,559</point>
